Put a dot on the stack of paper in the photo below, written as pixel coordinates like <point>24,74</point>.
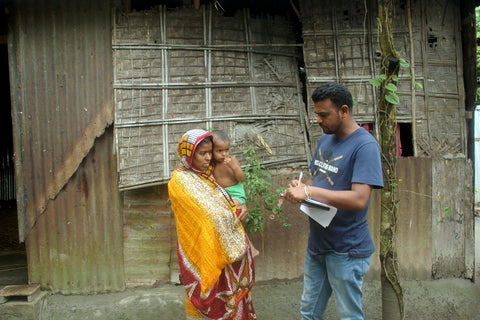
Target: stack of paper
<point>318,211</point>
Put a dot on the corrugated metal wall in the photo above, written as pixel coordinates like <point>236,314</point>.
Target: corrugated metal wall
<point>76,245</point>
<point>476,122</point>
<point>60,63</point>
<point>414,228</point>
<point>414,231</point>
<point>476,171</point>
<point>452,218</point>
<point>432,241</point>
<point>60,66</point>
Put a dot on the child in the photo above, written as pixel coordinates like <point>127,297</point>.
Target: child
<point>228,172</point>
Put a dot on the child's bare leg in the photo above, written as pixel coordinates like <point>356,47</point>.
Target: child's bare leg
<point>255,252</point>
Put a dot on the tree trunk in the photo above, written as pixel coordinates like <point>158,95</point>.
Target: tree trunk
<point>392,309</point>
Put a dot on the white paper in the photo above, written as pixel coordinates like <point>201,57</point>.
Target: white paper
<point>318,211</point>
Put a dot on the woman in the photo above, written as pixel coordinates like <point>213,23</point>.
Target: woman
<point>216,266</point>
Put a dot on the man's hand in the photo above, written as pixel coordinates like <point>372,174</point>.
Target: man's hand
<point>295,192</point>
<point>294,183</point>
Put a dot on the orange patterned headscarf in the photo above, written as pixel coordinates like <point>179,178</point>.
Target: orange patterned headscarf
<point>187,146</point>
<point>185,151</point>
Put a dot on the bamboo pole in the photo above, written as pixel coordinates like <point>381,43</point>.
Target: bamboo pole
<point>412,82</point>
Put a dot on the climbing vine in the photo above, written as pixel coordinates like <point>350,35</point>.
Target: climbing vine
<point>387,100</point>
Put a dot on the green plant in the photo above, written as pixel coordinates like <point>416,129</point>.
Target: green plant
<point>260,198</point>
<point>391,89</point>
<point>447,210</point>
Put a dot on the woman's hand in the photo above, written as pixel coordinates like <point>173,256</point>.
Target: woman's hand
<point>243,212</point>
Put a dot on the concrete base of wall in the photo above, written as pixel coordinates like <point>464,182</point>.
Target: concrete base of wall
<point>477,243</point>
<point>273,300</point>
<point>25,310</point>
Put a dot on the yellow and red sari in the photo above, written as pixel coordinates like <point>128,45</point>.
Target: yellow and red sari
<point>216,266</point>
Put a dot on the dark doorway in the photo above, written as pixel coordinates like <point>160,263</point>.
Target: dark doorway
<point>13,265</point>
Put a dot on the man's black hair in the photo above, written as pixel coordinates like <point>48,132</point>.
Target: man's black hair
<point>337,92</point>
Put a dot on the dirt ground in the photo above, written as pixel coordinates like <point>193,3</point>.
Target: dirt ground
<point>453,299</point>
<point>273,300</point>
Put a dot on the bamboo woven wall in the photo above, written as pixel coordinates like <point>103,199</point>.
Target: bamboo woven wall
<point>341,45</point>
<point>181,69</point>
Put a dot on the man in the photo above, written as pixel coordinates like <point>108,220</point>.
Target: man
<point>345,169</point>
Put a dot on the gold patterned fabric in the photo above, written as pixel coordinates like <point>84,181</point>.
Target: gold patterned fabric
<point>214,255</point>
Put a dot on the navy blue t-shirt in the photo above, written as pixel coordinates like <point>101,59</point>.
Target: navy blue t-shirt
<point>336,165</point>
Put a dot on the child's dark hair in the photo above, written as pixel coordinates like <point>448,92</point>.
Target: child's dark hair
<point>337,92</point>
<point>205,141</point>
<point>220,135</point>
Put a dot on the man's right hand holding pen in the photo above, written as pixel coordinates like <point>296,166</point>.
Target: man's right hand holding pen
<point>297,190</point>
<point>354,199</point>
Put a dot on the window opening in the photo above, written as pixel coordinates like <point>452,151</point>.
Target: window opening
<point>406,139</point>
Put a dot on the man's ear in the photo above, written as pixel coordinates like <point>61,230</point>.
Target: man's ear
<point>344,110</point>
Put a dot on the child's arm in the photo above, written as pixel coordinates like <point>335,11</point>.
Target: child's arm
<point>233,164</point>
<point>181,167</point>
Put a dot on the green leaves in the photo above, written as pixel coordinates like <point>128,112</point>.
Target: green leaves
<point>404,63</point>
<point>417,84</point>
<point>376,82</point>
<point>392,98</point>
<point>447,210</point>
<point>391,88</point>
<point>260,199</point>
